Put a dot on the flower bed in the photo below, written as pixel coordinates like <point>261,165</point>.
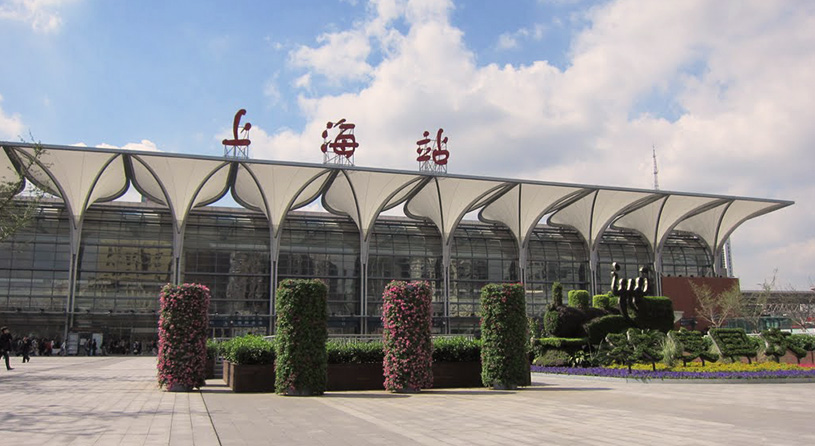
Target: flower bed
<point>692,371</point>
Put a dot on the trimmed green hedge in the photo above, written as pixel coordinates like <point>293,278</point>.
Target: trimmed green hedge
<point>691,345</point>
<point>302,315</point>
<point>777,342</point>
<point>579,299</point>
<point>557,294</point>
<point>733,343</point>
<point>354,352</point>
<point>456,349</point>
<point>564,322</point>
<point>597,329</point>
<point>636,345</point>
<point>248,350</point>
<point>553,358</point>
<point>569,345</point>
<point>605,301</point>
<point>504,358</point>
<point>655,313</point>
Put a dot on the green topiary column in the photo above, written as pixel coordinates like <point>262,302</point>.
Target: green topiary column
<point>182,336</point>
<point>504,359</point>
<point>408,346</point>
<point>302,361</point>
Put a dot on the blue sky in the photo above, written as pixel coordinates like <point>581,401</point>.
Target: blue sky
<point>558,90</point>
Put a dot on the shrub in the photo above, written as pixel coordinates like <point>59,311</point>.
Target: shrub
<point>690,345</point>
<point>355,352</point>
<point>504,360</point>
<point>213,347</point>
<point>605,302</point>
<point>579,299</point>
<point>248,350</point>
<point>777,342</point>
<point>553,358</point>
<point>182,332</point>
<point>564,322</point>
<point>301,337</point>
<point>597,329</point>
<point>406,321</point>
<point>733,343</point>
<point>456,349</point>
<point>636,345</point>
<point>655,313</point>
<point>569,345</point>
<point>801,343</point>
<point>557,294</point>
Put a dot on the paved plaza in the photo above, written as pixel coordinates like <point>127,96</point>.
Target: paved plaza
<point>115,401</point>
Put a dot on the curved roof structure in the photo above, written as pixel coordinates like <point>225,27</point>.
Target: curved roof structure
<point>82,176</point>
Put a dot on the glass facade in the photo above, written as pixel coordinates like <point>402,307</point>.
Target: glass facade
<point>125,257</point>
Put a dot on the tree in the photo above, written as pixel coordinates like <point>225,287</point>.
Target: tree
<point>752,309</point>
<point>16,213</point>
<point>798,307</point>
<point>717,308</point>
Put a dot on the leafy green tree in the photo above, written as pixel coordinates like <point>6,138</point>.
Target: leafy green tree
<point>16,213</point>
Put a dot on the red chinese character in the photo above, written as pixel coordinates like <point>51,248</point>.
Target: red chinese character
<point>424,149</point>
<point>344,143</point>
<point>237,141</point>
<point>440,153</point>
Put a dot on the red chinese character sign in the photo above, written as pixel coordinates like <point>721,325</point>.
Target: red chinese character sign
<point>238,147</point>
<point>433,154</point>
<point>339,150</point>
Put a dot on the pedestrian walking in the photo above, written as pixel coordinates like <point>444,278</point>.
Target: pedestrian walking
<point>25,349</point>
<point>5,345</point>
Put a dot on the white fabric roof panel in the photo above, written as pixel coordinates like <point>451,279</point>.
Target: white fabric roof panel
<point>656,220</point>
<point>84,176</point>
<point>715,225</point>
<point>183,183</point>
<point>8,173</point>
<point>362,195</point>
<point>522,207</point>
<point>80,178</point>
<point>592,214</point>
<point>445,200</point>
<point>275,189</point>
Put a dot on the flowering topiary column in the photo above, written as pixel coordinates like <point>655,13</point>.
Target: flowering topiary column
<point>302,331</point>
<point>504,358</point>
<point>182,336</point>
<point>408,346</point>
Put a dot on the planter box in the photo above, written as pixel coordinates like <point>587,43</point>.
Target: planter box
<point>448,375</point>
<point>251,378</point>
<point>355,377</point>
<point>210,368</point>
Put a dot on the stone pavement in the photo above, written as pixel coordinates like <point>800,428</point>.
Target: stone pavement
<point>115,400</point>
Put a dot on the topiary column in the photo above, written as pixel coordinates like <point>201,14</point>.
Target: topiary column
<point>504,359</point>
<point>406,322</point>
<point>302,332</point>
<point>182,336</point>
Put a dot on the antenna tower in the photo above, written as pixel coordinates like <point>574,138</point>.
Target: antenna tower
<point>656,171</point>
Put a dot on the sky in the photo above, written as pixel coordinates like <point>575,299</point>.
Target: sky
<point>550,90</point>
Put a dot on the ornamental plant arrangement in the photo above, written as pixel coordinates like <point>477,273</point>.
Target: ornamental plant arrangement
<point>182,335</point>
<point>406,334</point>
<point>504,357</point>
<point>302,331</point>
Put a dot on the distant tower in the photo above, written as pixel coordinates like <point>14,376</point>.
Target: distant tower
<point>728,258</point>
<point>656,171</point>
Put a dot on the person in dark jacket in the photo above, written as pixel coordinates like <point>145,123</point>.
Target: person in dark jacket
<point>25,349</point>
<point>5,345</point>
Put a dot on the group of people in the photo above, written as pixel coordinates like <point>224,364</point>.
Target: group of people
<point>29,346</point>
<point>26,346</point>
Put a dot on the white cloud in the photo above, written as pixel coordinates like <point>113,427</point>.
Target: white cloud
<point>11,127</point>
<point>42,15</point>
<point>511,40</point>
<point>739,78</point>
